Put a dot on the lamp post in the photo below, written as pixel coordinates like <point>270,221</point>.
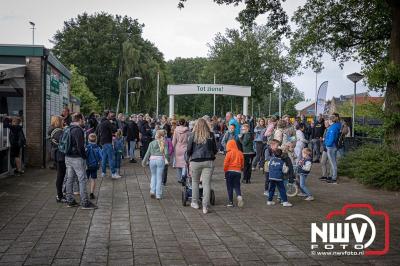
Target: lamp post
<point>280,98</point>
<point>355,77</point>
<point>33,32</point>
<point>126,91</point>
<point>158,89</point>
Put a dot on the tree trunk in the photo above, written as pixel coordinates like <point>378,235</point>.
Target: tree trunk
<point>392,97</point>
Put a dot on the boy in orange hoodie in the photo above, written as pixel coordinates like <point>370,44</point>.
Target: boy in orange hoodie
<point>233,165</point>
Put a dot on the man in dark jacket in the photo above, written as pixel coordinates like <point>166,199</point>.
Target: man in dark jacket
<point>146,136</point>
<point>104,134</point>
<point>317,134</point>
<point>75,161</point>
<point>132,136</point>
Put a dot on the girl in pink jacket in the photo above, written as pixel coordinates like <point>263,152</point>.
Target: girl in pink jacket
<point>179,142</point>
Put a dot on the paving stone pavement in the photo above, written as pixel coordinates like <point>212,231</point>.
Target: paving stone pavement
<point>129,228</point>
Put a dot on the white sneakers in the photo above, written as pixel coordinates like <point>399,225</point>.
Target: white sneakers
<point>309,198</point>
<point>194,205</point>
<point>240,201</point>
<point>116,176</point>
<point>205,210</point>
<point>301,194</point>
<point>103,174</point>
<point>284,204</point>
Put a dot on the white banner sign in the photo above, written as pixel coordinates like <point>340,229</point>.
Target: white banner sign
<point>321,99</point>
<point>209,89</point>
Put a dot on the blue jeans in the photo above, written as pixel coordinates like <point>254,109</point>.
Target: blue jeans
<point>233,183</point>
<point>132,146</point>
<point>180,172</point>
<point>117,160</point>
<point>331,151</point>
<point>157,171</point>
<point>281,188</point>
<point>107,155</point>
<point>76,168</point>
<point>303,187</point>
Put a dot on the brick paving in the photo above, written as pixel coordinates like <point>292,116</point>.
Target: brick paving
<point>129,228</point>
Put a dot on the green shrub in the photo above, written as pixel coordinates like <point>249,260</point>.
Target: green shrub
<point>373,165</point>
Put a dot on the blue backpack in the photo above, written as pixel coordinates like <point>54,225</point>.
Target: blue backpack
<point>64,145</point>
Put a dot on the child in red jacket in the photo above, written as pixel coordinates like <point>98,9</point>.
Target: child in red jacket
<point>233,166</point>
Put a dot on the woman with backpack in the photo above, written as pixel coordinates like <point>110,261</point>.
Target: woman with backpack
<point>17,142</point>
<point>201,152</point>
<point>59,157</point>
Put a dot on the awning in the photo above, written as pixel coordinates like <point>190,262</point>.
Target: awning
<point>9,71</point>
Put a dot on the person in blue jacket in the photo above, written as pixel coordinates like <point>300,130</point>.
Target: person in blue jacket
<point>330,141</point>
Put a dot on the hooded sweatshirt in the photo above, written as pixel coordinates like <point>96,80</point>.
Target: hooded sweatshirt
<point>234,160</point>
<point>179,142</point>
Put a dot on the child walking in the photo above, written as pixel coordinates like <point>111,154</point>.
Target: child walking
<point>246,139</point>
<point>118,143</point>
<point>303,169</point>
<point>277,168</point>
<point>93,159</point>
<point>158,155</point>
<point>233,165</point>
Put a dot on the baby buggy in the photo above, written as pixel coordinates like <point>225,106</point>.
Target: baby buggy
<point>187,190</point>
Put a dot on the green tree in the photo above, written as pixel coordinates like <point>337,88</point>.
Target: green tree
<point>94,44</point>
<point>79,89</point>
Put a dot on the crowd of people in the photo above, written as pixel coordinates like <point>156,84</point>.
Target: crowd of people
<point>284,149</point>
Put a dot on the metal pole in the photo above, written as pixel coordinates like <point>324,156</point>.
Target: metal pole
<point>158,89</point>
<point>252,106</point>
<point>126,97</point>
<point>214,95</point>
<point>33,35</point>
<point>231,103</point>
<point>316,93</point>
<point>269,107</point>
<point>354,110</point>
<point>280,99</point>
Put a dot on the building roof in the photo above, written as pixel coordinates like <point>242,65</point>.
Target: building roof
<point>303,105</point>
<point>22,50</point>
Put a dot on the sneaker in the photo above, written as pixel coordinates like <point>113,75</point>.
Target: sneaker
<point>61,200</point>
<point>194,205</point>
<point>132,161</point>
<point>323,178</point>
<point>91,196</point>
<point>205,210</point>
<point>328,179</point>
<point>152,195</point>
<point>77,193</point>
<point>301,194</point>
<point>270,203</point>
<point>103,174</point>
<point>266,193</point>
<point>287,204</point>
<point>309,198</point>
<point>240,201</point>
<point>89,206</point>
<point>72,204</point>
<point>116,176</point>
<point>331,181</point>
<point>230,204</point>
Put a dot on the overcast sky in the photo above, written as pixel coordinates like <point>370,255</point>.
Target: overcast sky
<point>177,33</point>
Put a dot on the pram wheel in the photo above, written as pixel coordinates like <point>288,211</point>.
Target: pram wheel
<point>291,189</point>
<point>184,196</point>
<point>212,197</point>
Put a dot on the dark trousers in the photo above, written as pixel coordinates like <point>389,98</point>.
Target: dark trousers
<point>259,159</point>
<point>266,185</point>
<point>247,167</point>
<point>61,170</point>
<point>144,147</point>
<point>281,188</point>
<point>165,175</point>
<point>233,183</point>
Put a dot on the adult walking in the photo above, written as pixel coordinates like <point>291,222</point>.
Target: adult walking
<point>201,152</point>
<point>132,137</point>
<point>325,165</point>
<point>331,138</point>
<point>259,132</point>
<point>317,134</point>
<point>59,157</point>
<point>75,161</point>
<point>105,134</point>
<point>146,136</point>
<point>179,142</point>
<point>158,155</point>
<point>17,143</point>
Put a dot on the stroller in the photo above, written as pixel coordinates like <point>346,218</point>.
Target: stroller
<point>187,189</point>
